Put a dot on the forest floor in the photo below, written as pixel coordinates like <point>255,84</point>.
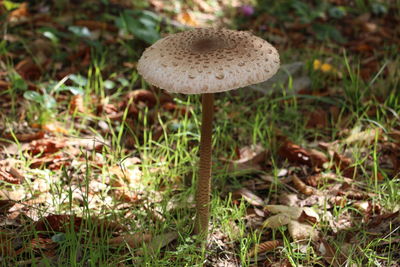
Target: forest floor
<point>97,167</point>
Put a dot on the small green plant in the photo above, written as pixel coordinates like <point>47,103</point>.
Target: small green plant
<point>142,24</point>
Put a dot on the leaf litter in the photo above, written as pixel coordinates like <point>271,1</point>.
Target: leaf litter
<point>314,181</point>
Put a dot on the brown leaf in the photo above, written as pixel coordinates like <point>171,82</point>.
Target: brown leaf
<point>276,221</point>
<point>302,187</point>
<point>264,247</point>
<point>338,201</point>
<point>188,19</point>
<point>26,137</point>
<point>317,119</point>
<point>249,196</point>
<point>304,217</point>
<point>161,241</point>
<point>302,231</point>
<point>51,161</point>
<point>354,194</point>
<point>19,13</point>
<point>250,160</point>
<point>41,245</point>
<point>133,240</point>
<point>95,25</point>
<point>48,145</point>
<point>10,174</point>
<point>333,257</point>
<point>292,212</point>
<point>28,69</point>
<point>317,158</point>
<point>144,96</point>
<point>343,164</point>
<point>77,104</point>
<point>4,85</point>
<point>58,223</point>
<point>14,195</point>
<point>368,136</point>
<point>5,205</point>
<point>294,153</point>
<point>172,107</point>
<point>376,220</point>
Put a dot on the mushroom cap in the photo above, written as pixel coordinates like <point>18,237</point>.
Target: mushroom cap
<point>208,60</point>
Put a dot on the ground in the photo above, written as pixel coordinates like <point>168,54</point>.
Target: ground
<point>97,167</point>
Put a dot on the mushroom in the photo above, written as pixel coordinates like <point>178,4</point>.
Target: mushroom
<point>206,61</point>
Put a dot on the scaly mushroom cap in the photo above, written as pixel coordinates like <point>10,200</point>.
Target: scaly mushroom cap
<point>208,60</point>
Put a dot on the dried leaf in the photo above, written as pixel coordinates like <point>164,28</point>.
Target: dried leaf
<point>333,257</point>
<point>250,159</point>
<point>95,25</point>
<point>249,196</point>
<point>28,69</point>
<point>161,241</point>
<point>317,119</point>
<point>308,215</point>
<point>343,164</point>
<point>294,153</point>
<point>276,221</point>
<point>5,205</point>
<point>58,223</point>
<point>264,247</point>
<point>188,19</point>
<point>43,146</point>
<point>27,137</point>
<point>20,13</point>
<point>292,212</point>
<point>302,231</point>
<point>15,195</point>
<point>302,187</point>
<point>133,240</point>
<point>368,136</point>
<point>77,104</point>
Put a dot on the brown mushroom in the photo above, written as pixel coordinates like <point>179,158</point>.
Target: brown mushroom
<point>205,61</point>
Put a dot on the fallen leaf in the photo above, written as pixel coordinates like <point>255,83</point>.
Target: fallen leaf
<point>317,119</point>
<point>333,257</point>
<point>161,241</point>
<point>58,223</point>
<point>95,25</point>
<point>27,137</point>
<point>249,196</point>
<point>276,221</point>
<point>45,146</point>
<point>187,18</point>
<point>308,215</point>
<point>10,174</point>
<point>28,69</point>
<point>77,105</point>
<point>132,240</point>
<point>250,160</point>
<point>5,205</point>
<point>344,165</point>
<point>367,137</point>
<point>15,195</point>
<point>302,231</point>
<point>294,153</point>
<point>302,187</point>
<point>292,212</point>
<point>264,247</point>
<point>20,13</point>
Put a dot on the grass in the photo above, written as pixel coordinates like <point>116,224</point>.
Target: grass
<point>168,168</point>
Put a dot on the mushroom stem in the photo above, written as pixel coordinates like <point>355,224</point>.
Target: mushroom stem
<point>203,190</point>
